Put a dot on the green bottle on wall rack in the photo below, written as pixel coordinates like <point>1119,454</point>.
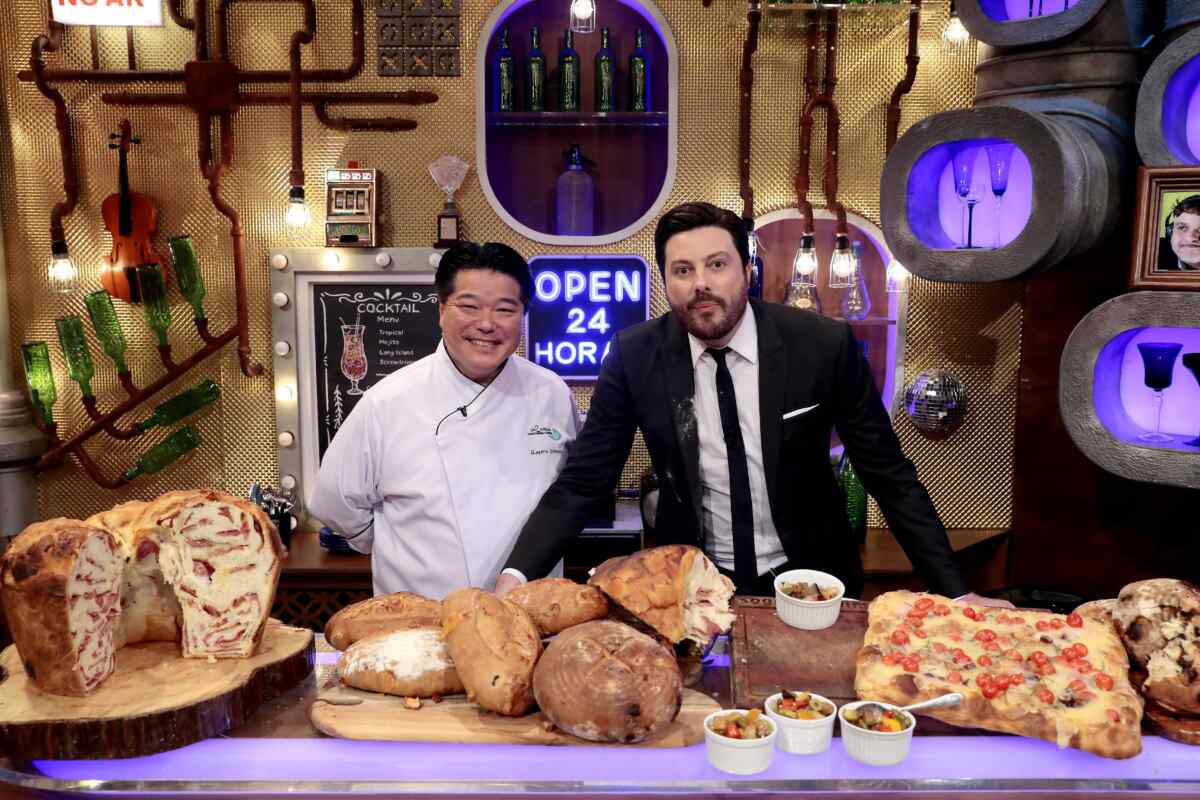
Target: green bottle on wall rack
<point>182,405</point>
<point>165,452</point>
<point>187,271</point>
<point>39,377</point>
<point>639,74</point>
<point>154,301</point>
<point>605,76</point>
<point>568,74</point>
<point>535,73</point>
<point>74,347</point>
<point>505,86</point>
<point>107,327</point>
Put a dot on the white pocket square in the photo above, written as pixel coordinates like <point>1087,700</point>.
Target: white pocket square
<point>800,411</point>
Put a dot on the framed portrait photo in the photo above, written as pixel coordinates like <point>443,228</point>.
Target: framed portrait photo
<point>1166,251</point>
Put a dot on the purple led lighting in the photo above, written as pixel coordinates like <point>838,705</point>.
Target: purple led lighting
<point>936,211</point>
<point>1181,112</point>
<point>1124,404</point>
<point>1005,10</point>
<point>636,6</point>
<point>931,758</point>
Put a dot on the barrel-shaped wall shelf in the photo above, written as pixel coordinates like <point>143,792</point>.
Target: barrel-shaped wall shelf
<point>1168,105</point>
<point>1126,360</point>
<point>1063,193</point>
<point>1011,23</point>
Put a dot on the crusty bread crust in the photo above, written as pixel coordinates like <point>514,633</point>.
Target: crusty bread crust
<point>558,603</point>
<point>371,664</point>
<point>35,574</point>
<point>494,644</point>
<point>387,612</point>
<point>120,520</point>
<point>651,584</point>
<point>605,682</point>
<point>1017,710</point>
<point>1159,622</point>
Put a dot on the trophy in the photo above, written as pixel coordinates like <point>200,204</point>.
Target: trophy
<point>448,173</point>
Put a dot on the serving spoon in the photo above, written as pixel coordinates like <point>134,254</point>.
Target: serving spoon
<point>951,699</point>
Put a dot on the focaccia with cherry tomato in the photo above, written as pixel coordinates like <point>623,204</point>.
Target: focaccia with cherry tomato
<point>1031,673</point>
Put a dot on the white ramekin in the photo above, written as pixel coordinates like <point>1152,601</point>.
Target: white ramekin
<point>873,747</point>
<point>739,756</point>
<point>802,736</point>
<point>809,615</point>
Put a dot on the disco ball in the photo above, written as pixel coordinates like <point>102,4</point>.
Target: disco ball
<point>936,402</point>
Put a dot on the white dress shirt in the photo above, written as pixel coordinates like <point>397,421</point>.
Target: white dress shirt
<point>714,463</point>
<point>438,512</point>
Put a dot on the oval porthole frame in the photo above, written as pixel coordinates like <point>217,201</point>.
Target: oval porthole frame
<point>1030,31</point>
<point>1148,126</point>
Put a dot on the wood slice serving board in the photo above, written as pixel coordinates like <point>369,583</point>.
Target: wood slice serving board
<point>155,699</point>
<point>354,714</point>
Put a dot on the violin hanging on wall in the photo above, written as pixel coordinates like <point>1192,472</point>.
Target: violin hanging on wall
<point>132,220</point>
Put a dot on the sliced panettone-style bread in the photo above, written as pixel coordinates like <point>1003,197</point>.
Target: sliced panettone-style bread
<point>222,557</point>
<point>60,583</point>
<point>674,589</point>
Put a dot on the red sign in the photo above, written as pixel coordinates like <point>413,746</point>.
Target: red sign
<point>107,12</point>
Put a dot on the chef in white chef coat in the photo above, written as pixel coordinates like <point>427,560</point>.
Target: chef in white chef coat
<point>439,464</point>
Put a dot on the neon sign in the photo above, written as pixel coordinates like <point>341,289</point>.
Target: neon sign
<point>579,304</point>
<point>141,13</point>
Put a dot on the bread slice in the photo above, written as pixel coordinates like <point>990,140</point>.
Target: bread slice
<point>60,583</point>
<point>408,663</point>
<point>674,589</point>
<point>388,612</point>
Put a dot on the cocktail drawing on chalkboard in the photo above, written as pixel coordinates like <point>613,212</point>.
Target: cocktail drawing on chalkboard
<point>354,356</point>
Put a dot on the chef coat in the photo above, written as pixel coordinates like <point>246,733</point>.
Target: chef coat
<point>437,495</point>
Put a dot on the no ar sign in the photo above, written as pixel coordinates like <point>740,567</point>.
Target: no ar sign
<point>107,12</point>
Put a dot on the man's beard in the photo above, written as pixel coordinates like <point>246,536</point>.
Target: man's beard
<point>717,326</point>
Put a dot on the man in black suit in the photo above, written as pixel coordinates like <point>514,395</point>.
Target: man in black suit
<point>737,409</point>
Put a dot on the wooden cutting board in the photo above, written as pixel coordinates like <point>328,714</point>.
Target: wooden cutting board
<point>355,714</point>
<point>155,699</point>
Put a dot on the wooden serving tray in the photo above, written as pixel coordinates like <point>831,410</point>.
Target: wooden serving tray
<point>155,699</point>
<point>355,714</point>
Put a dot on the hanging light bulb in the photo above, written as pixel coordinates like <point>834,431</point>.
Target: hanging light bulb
<point>843,269</point>
<point>583,16</point>
<point>804,265</point>
<point>297,214</point>
<point>955,33</point>
<point>896,281</point>
<point>64,275</point>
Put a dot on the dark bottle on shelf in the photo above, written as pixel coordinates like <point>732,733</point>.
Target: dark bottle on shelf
<point>504,89</point>
<point>639,74</point>
<point>605,76</point>
<point>568,74</point>
<point>535,73</point>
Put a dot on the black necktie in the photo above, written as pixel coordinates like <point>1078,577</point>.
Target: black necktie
<point>745,565</point>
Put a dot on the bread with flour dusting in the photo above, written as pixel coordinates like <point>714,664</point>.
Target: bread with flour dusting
<point>408,663</point>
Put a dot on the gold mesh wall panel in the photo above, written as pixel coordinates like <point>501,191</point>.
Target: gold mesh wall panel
<point>966,475</point>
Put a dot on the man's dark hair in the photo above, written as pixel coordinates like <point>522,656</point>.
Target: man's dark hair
<point>1188,205</point>
<point>699,215</point>
<point>489,255</point>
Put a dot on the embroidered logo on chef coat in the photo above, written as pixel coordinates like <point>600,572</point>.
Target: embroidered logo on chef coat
<point>540,430</point>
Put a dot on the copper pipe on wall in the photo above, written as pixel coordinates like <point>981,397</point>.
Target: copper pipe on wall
<point>911,60</point>
<point>300,37</point>
<point>94,42</point>
<point>126,380</point>
<point>200,15</point>
<point>93,470</point>
<point>362,123</point>
<point>175,9</point>
<point>64,207</point>
<point>746,87</point>
<point>129,48</point>
<point>106,76</point>
<point>93,411</point>
<point>832,128</point>
<point>811,42</point>
<point>357,43</point>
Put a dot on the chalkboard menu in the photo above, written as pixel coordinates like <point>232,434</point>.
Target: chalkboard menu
<point>364,332</point>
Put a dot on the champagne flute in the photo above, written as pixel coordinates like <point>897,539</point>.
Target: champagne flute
<point>1158,358</point>
<point>966,188</point>
<point>999,161</point>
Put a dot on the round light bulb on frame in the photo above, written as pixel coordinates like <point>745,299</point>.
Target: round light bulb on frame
<point>285,393</point>
<point>283,349</point>
<point>383,260</point>
<point>281,299</point>
<point>279,261</point>
<point>287,482</point>
<point>286,439</point>
<point>331,259</point>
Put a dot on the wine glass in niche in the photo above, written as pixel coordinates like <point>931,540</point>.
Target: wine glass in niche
<point>354,356</point>
<point>966,188</point>
<point>1158,358</point>
<point>1000,157</point>
<point>1192,362</point>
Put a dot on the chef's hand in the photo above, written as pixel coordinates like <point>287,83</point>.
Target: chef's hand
<point>506,583</point>
<point>980,600</point>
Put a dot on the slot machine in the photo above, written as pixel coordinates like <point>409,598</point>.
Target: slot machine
<point>350,218</point>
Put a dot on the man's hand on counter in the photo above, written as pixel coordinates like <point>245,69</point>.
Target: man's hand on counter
<point>977,599</point>
<point>505,583</point>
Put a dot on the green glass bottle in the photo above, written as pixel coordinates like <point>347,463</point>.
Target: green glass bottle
<point>165,452</point>
<point>568,74</point>
<point>39,377</point>
<point>107,327</point>
<point>187,271</point>
<point>535,73</point>
<point>154,301</point>
<point>504,88</point>
<point>605,76</point>
<point>856,498</point>
<point>74,346</point>
<point>639,74</point>
<point>182,405</point>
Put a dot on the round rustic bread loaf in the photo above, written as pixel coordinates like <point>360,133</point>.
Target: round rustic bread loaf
<point>557,603</point>
<point>388,612</point>
<point>1159,622</point>
<point>494,645</point>
<point>605,682</point>
<point>408,663</point>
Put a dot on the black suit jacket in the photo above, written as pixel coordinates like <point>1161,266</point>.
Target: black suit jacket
<point>804,359</point>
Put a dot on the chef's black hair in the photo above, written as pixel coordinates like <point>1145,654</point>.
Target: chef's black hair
<point>489,255</point>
